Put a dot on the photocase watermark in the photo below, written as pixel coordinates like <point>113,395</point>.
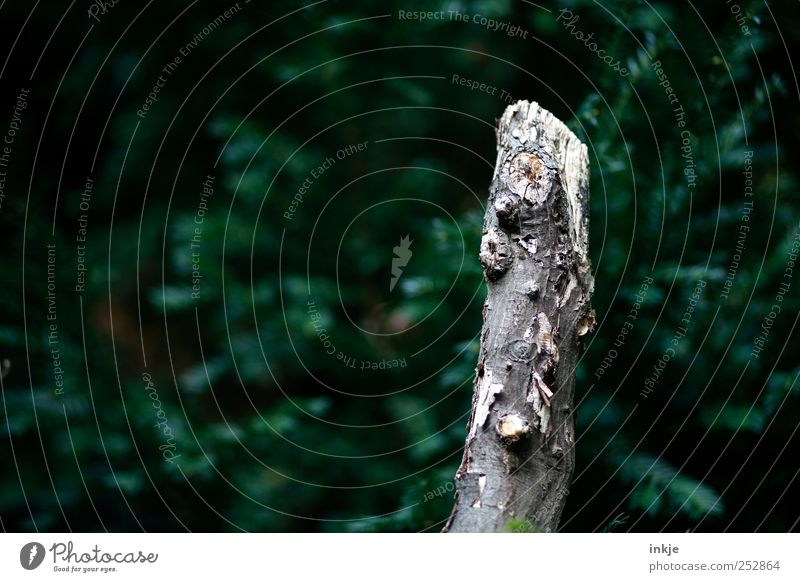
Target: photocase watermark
<point>31,555</point>
<point>627,327</point>
<point>206,192</point>
<point>53,340</point>
<point>481,87</point>
<point>440,491</point>
<point>568,20</point>
<point>740,16</point>
<point>687,151</point>
<point>172,66</point>
<point>345,359</point>
<point>512,30</point>
<point>402,255</point>
<point>664,83</point>
<point>168,447</point>
<point>509,29</point>
<point>80,237</point>
<point>421,15</point>
<point>659,367</point>
<point>7,147</point>
<point>760,341</point>
<point>68,559</point>
<point>316,174</point>
<point>99,8</point>
<point>744,228</point>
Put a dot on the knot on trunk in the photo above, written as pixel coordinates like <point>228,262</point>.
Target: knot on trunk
<point>519,447</point>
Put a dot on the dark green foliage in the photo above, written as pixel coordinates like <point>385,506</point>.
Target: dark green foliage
<point>273,432</point>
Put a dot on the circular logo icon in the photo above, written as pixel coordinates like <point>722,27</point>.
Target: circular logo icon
<point>31,555</point>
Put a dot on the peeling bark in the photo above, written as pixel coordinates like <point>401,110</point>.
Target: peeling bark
<point>519,458</point>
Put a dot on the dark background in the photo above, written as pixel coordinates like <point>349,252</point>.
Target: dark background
<point>269,432</point>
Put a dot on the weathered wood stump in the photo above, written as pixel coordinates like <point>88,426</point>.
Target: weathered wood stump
<point>519,458</point>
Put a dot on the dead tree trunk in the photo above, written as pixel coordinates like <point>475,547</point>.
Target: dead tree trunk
<point>518,458</point>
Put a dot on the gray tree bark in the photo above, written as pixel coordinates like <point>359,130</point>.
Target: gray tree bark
<point>519,454</point>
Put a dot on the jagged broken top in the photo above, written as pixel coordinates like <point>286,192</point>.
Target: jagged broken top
<point>527,124</point>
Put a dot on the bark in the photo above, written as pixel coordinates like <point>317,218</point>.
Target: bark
<point>519,453</point>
